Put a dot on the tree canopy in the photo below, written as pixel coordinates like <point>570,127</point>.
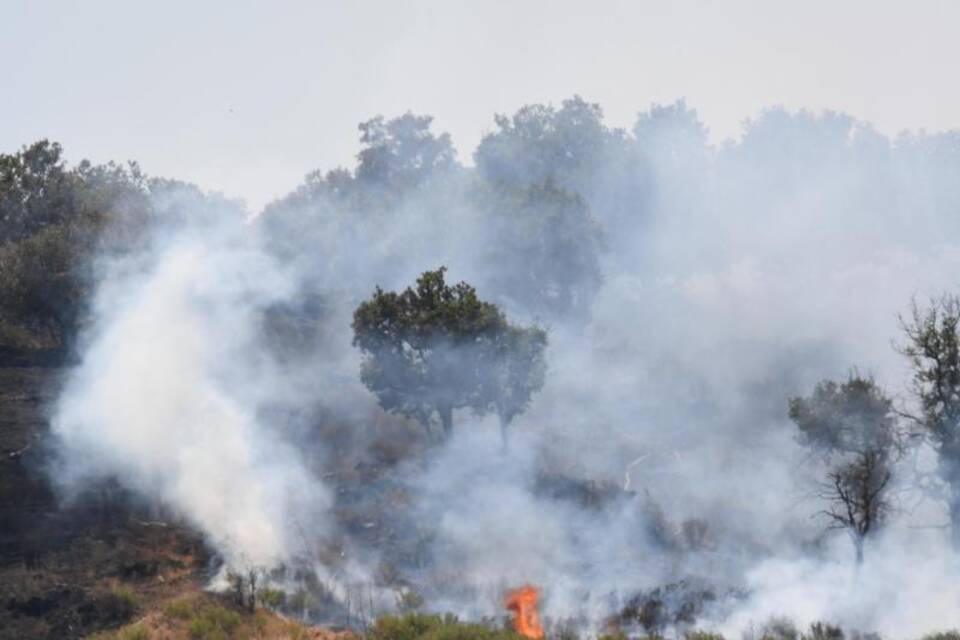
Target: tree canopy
<point>434,348</point>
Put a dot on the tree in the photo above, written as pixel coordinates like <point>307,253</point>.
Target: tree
<point>856,495</point>
<point>853,427</point>
<point>402,152</point>
<point>541,143</point>
<point>543,251</point>
<point>515,371</point>
<point>55,220</point>
<point>436,348</point>
<point>42,283</point>
<point>933,350</point>
<point>36,191</point>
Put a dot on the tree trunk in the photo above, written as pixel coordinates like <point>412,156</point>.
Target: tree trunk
<point>504,427</point>
<point>858,544</point>
<point>446,419</point>
<point>955,519</point>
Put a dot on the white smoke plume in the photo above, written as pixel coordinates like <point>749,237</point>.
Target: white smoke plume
<point>168,394</point>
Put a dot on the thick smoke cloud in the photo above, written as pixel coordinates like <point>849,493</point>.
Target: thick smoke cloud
<point>688,291</point>
<point>169,390</point>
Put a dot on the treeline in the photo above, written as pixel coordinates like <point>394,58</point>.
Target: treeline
<point>556,200</point>
<point>59,224</point>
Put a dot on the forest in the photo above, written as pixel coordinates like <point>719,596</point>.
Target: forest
<point>683,388</point>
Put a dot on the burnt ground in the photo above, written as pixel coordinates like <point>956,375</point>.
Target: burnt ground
<point>67,570</point>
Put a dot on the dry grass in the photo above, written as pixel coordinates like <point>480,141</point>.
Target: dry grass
<point>203,616</point>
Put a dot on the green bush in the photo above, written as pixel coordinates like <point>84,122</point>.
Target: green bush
<point>179,609</point>
<point>780,629</point>
<point>133,632</point>
<point>213,623</point>
<point>409,601</point>
<point>952,634</point>
<point>117,605</point>
<point>823,631</point>
<point>422,626</point>
<point>697,634</point>
<point>272,598</point>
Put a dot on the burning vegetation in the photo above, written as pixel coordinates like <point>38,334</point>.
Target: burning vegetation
<point>302,407</point>
<point>522,603</point>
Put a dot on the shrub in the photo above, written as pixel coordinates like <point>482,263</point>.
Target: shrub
<point>213,623</point>
<point>409,601</point>
<point>823,631</point>
<point>779,629</point>
<point>117,605</point>
<point>952,634</point>
<point>272,598</point>
<point>421,626</point>
<point>132,632</point>
<point>181,609</point>
<point>697,634</point>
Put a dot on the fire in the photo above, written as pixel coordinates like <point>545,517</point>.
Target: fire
<point>523,603</point>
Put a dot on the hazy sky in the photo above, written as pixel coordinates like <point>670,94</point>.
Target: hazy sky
<point>246,97</point>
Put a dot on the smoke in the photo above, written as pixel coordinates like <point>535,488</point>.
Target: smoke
<point>688,291</point>
<point>169,391</point>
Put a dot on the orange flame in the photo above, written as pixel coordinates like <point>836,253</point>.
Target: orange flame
<point>523,603</point>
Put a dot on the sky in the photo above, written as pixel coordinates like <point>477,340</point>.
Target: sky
<point>247,97</point>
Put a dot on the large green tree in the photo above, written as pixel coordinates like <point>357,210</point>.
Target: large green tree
<point>435,348</point>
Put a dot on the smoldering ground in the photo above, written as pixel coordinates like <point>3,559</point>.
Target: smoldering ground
<point>688,291</point>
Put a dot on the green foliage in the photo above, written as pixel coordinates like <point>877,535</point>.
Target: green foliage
<point>402,152</point>
<point>131,632</point>
<point>698,634</point>
<point>952,634</point>
<point>36,191</point>
<point>823,631</point>
<point>933,350</point>
<point>848,417</point>
<point>134,632</point>
<point>213,623</point>
<point>53,220</point>
<point>437,348</point>
<point>182,609</point>
<point>40,282</point>
<point>513,370</point>
<point>272,598</point>
<point>117,605</point>
<point>420,626</point>
<point>779,629</point>
<point>546,252</point>
<point>540,143</point>
<point>409,601</point>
